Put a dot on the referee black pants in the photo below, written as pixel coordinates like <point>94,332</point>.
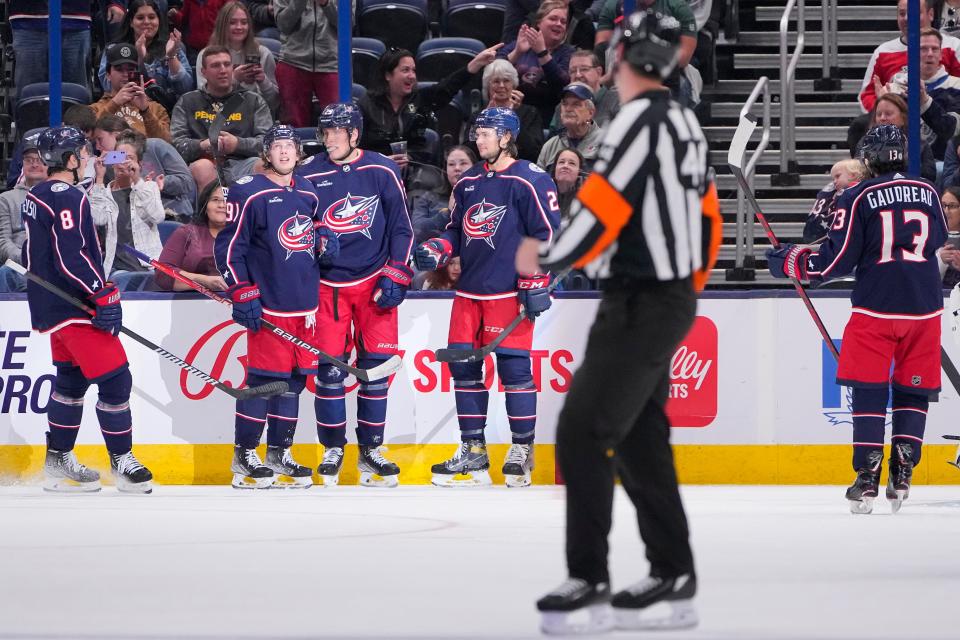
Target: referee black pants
<point>614,421</point>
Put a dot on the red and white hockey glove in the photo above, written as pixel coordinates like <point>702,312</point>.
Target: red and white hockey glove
<point>534,294</point>
<point>392,286</point>
<point>433,254</point>
<point>246,305</point>
<point>788,261</point>
<point>108,315</point>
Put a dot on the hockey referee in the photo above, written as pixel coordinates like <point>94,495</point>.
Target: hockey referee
<point>638,224</point>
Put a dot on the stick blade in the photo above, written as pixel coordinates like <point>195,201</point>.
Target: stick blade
<point>951,437</point>
<point>738,144</point>
<point>459,355</point>
<point>264,390</point>
<point>384,370</point>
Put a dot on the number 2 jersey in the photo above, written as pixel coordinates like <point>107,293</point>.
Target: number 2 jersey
<point>61,247</point>
<point>493,212</point>
<point>271,242</point>
<point>887,229</point>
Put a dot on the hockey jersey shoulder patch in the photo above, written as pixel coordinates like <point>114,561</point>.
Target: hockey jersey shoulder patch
<point>245,180</point>
<point>60,186</point>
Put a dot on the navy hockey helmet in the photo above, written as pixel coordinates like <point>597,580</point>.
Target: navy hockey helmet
<point>57,144</point>
<point>651,43</point>
<point>883,149</point>
<point>500,119</point>
<point>280,132</point>
<point>341,115</point>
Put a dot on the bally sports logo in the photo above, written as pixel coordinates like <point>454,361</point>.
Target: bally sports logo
<point>693,377</point>
<point>352,214</point>
<point>295,234</point>
<point>481,221</point>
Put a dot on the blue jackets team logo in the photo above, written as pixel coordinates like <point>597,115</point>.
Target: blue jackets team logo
<point>836,401</point>
<point>352,214</point>
<point>296,234</point>
<point>481,221</point>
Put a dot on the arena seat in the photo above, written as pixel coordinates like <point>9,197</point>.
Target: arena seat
<point>397,23</point>
<point>365,54</point>
<point>478,19</point>
<point>33,105</point>
<point>442,57</point>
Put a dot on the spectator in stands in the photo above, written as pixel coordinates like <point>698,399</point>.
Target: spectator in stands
<point>12,232</point>
<point>254,68</point>
<point>585,67</point>
<point>128,99</point>
<point>568,172</point>
<point>939,93</point>
<point>394,109</point>
<point>949,255</point>
<point>430,210</point>
<point>159,52</point>
<point>579,132</point>
<point>242,132</point>
<point>196,18</point>
<point>542,57</point>
<point>500,82</point>
<point>308,56</point>
<point>946,16</point>
<point>264,22</point>
<point>890,108</point>
<point>29,21</point>
<point>843,174</point>
<point>890,58</point>
<point>139,210</point>
<point>580,30</point>
<point>189,249</point>
<point>81,116</point>
<point>443,279</point>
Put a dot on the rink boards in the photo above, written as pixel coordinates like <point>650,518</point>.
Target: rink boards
<point>752,393</point>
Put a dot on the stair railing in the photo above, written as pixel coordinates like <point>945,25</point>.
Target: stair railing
<point>744,218</point>
<point>789,169</point>
<point>830,80</point>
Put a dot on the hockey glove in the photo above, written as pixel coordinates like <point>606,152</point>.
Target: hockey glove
<point>246,305</point>
<point>788,261</point>
<point>392,285</point>
<point>108,315</point>
<point>533,294</point>
<point>433,254</point>
<point>328,246</point>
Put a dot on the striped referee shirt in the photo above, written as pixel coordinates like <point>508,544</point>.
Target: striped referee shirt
<point>638,216</point>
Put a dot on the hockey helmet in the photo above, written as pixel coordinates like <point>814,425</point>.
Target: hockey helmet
<point>341,115</point>
<point>57,144</point>
<point>651,42</point>
<point>883,149</point>
<point>280,132</point>
<point>500,119</point>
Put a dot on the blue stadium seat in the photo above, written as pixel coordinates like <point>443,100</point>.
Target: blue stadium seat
<point>366,54</point>
<point>33,105</point>
<point>270,43</point>
<point>358,91</point>
<point>307,133</point>
<point>479,19</point>
<point>442,57</point>
<point>397,23</point>
<point>166,229</point>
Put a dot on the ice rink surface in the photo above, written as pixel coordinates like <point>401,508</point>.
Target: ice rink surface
<point>424,562</point>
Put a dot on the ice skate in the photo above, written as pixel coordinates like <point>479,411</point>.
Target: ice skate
<point>375,470</point>
<point>248,471</point>
<point>900,474</point>
<point>329,468</point>
<point>576,607</point>
<point>518,465</point>
<point>63,473</point>
<point>657,603</point>
<point>288,473</point>
<point>864,489</point>
<point>469,467</point>
<point>131,475</point>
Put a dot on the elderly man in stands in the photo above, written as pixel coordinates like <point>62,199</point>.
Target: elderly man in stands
<point>585,67</point>
<point>890,58</point>
<point>580,132</point>
<point>128,99</point>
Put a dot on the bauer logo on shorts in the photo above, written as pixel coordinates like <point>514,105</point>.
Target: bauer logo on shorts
<point>352,214</point>
<point>296,234</point>
<point>481,221</point>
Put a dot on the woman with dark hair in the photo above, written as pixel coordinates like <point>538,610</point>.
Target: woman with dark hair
<point>949,255</point>
<point>430,210</point>
<point>395,110</point>
<point>567,172</point>
<point>161,54</point>
<point>189,249</point>
<point>891,108</point>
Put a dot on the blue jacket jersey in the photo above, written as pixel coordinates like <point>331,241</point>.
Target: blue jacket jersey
<point>364,203</point>
<point>492,212</point>
<point>62,248</point>
<point>270,241</point>
<point>888,229</point>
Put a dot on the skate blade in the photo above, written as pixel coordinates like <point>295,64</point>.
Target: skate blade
<point>472,479</point>
<point>861,507</point>
<point>898,499</point>
<point>66,485</point>
<point>673,614</point>
<point>517,481</point>
<point>292,482</point>
<point>954,464</point>
<point>598,618</point>
<point>329,481</point>
<point>368,479</point>
<point>241,481</point>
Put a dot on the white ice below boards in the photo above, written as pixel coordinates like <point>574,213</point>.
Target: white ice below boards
<point>423,562</point>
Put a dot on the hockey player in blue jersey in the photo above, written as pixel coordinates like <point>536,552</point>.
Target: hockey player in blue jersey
<point>62,248</point>
<point>268,256</point>
<point>361,200</point>
<point>496,204</point>
<point>886,230</point>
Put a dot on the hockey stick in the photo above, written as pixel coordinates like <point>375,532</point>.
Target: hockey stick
<point>213,135</point>
<point>476,355</point>
<point>264,390</point>
<point>735,156</point>
<point>387,368</point>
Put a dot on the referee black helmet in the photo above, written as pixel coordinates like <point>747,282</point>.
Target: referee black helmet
<point>651,43</point>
